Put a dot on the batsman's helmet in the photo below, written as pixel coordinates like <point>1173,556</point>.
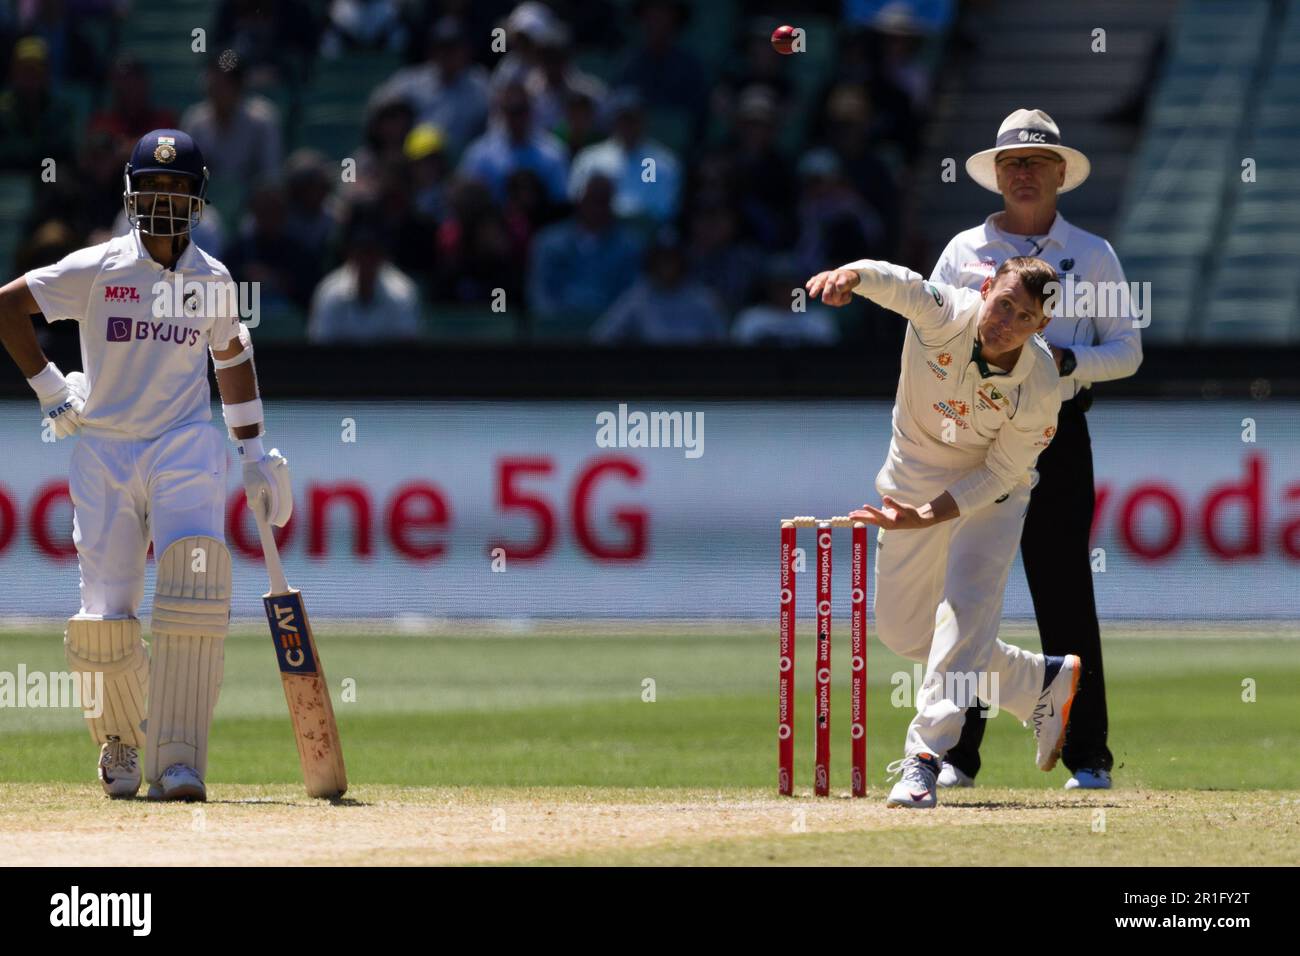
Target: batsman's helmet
<point>169,151</point>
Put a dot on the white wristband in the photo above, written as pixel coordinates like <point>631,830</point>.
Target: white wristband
<point>48,382</point>
<point>250,449</point>
<point>244,413</point>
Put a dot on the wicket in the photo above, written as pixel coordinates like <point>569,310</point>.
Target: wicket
<point>822,684</point>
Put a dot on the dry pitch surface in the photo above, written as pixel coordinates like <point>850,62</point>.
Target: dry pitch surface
<point>251,826</point>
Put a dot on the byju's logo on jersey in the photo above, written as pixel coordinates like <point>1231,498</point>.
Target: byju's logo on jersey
<point>121,329</point>
<point>121,293</point>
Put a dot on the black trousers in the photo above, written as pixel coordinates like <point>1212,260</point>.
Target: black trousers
<point>1054,549</point>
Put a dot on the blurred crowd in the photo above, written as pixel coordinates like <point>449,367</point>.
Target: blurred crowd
<point>602,179</point>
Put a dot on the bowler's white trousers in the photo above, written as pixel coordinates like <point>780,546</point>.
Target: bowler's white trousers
<point>938,599</point>
<point>125,492</point>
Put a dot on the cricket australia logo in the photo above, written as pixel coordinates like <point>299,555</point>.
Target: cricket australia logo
<point>990,399</point>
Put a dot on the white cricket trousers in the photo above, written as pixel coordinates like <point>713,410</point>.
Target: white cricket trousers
<point>125,493</point>
<point>938,599</point>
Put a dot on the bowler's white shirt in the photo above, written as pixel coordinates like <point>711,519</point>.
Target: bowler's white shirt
<point>1105,346</point>
<point>146,375</point>
<point>999,421</point>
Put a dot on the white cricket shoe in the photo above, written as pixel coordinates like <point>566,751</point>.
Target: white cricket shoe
<point>179,782</point>
<point>950,776</point>
<point>119,769</point>
<point>1052,712</point>
<point>1089,780</point>
<point>917,787</point>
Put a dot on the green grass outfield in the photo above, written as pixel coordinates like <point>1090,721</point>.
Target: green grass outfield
<point>541,710</point>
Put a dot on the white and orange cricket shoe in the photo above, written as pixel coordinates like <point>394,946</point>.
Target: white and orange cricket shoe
<point>1052,712</point>
<point>918,786</point>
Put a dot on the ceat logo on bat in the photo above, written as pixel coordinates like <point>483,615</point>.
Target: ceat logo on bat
<point>121,293</point>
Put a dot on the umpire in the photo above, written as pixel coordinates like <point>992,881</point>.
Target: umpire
<point>1029,167</point>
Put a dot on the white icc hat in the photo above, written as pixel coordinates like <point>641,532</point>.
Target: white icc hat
<point>1026,129</point>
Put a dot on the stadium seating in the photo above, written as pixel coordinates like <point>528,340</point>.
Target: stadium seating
<point>1254,288</point>
<point>1170,223</point>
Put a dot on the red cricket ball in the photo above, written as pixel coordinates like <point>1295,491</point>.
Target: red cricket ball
<point>783,40</point>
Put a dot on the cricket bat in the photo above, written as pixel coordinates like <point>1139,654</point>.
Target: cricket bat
<point>305,687</point>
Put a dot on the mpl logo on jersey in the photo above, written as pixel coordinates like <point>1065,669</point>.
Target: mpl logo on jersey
<point>125,329</point>
<point>121,293</point>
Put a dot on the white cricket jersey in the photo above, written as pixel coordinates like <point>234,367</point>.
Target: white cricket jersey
<point>1105,342</point>
<point>1000,421</point>
<point>146,375</point>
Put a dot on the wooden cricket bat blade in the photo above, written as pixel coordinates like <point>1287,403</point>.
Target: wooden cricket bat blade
<point>307,693</point>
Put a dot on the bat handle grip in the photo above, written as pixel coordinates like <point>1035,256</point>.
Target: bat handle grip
<point>274,569</point>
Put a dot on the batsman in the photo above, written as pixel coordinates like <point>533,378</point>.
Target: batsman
<point>148,466</point>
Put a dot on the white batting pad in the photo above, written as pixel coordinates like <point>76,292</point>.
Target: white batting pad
<point>114,649</point>
<point>191,614</point>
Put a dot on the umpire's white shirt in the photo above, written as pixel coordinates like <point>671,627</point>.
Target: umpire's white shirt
<point>1105,346</point>
<point>146,375</point>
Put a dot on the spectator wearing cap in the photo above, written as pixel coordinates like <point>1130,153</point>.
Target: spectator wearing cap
<point>665,306</point>
<point>512,142</point>
<point>833,217</point>
<point>448,90</point>
<point>720,256</point>
<point>528,27</point>
<point>773,320</point>
<point>426,157</point>
<point>34,121</point>
<point>238,134</point>
<point>580,265</point>
<point>667,74</point>
<point>72,57</point>
<point>130,112</point>
<point>352,25</point>
<point>366,300</point>
<point>623,160</point>
<point>554,75</point>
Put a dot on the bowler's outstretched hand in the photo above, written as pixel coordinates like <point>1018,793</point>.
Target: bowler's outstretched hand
<point>834,287</point>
